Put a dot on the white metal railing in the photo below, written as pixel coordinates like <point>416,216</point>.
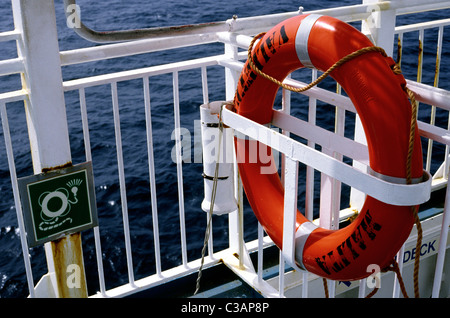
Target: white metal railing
<point>238,37</point>
<point>421,27</point>
<point>7,98</point>
<point>426,95</point>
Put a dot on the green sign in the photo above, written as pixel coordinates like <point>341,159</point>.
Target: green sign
<point>58,203</point>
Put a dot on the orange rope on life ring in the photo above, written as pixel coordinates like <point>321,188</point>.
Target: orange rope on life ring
<point>379,97</point>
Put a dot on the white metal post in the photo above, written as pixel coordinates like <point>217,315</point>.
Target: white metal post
<point>46,118</point>
<point>235,218</point>
<point>380,27</point>
<point>290,210</point>
<point>46,113</point>
<point>442,247</point>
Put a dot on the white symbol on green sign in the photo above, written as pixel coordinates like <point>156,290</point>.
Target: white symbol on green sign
<point>58,203</point>
<point>55,216</point>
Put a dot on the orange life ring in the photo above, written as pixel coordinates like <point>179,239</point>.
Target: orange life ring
<point>385,111</point>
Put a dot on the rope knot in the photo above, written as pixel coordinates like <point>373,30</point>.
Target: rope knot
<point>396,69</point>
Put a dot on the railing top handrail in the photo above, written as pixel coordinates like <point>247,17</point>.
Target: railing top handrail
<point>346,13</point>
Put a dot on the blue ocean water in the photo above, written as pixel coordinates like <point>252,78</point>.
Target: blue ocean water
<point>116,15</point>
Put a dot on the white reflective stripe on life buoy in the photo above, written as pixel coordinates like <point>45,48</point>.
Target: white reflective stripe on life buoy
<point>302,234</point>
<point>302,37</point>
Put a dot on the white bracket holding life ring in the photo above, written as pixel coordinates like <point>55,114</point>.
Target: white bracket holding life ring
<point>387,192</point>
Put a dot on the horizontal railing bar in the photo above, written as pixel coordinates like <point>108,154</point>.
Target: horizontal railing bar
<point>343,145</point>
<point>177,272</point>
<point>430,95</point>
<point>321,136</point>
<point>348,14</point>
<point>397,194</point>
<point>9,36</point>
<point>324,95</point>
<point>424,93</point>
<point>164,277</point>
<point>11,66</point>
<point>413,6</point>
<point>13,96</point>
<point>433,132</point>
<point>315,92</point>
<point>236,39</point>
<point>140,73</point>
<point>421,26</point>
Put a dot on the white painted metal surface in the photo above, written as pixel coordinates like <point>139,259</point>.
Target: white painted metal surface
<point>290,283</point>
<point>391,193</point>
<point>45,105</point>
<point>215,157</point>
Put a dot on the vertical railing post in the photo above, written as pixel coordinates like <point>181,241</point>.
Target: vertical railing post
<point>442,249</point>
<point>380,27</point>
<point>47,122</point>
<point>235,218</point>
